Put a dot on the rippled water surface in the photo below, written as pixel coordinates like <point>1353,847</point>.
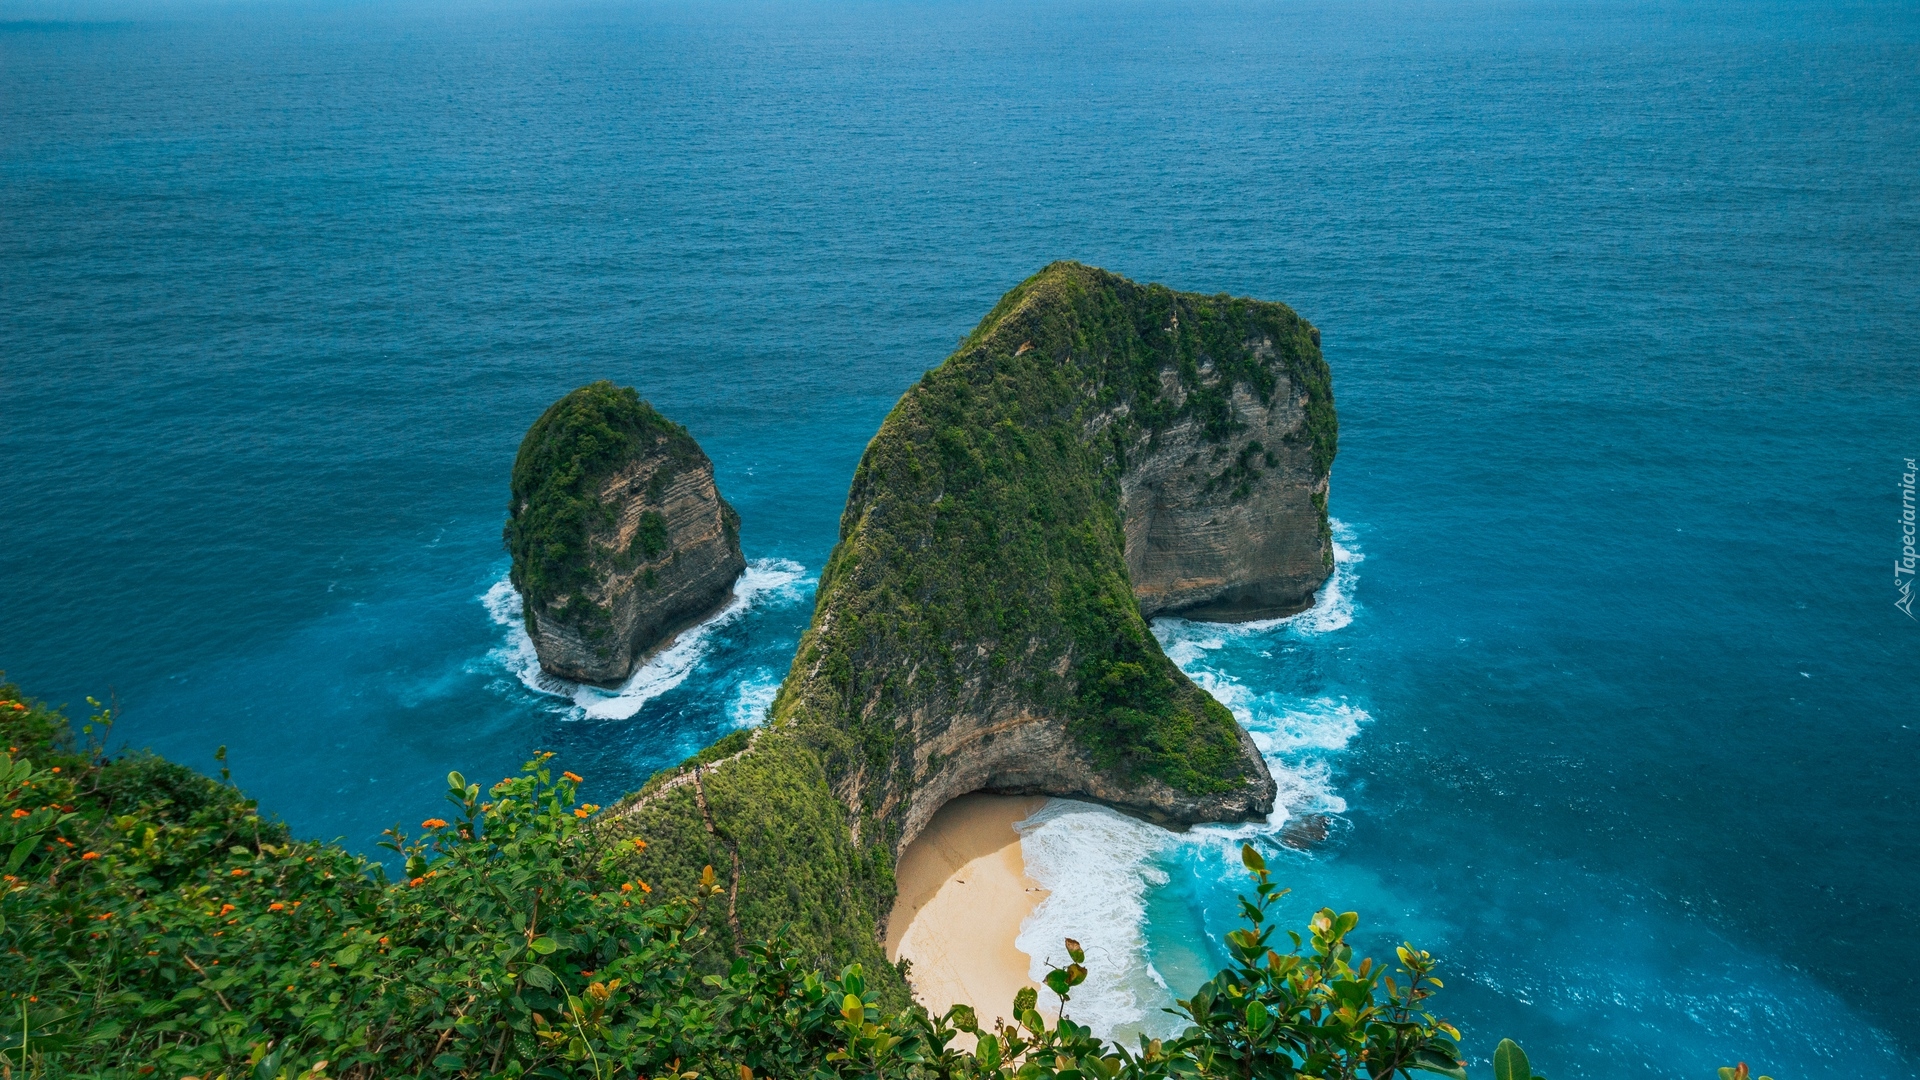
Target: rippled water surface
<point>1609,706</point>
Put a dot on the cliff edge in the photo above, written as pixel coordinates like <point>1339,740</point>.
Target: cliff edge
<point>1096,451</point>
<point>619,536</point>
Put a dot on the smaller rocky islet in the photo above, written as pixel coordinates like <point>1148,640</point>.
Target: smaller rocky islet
<point>618,532</point>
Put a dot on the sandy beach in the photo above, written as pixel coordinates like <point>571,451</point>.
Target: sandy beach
<point>963,892</point>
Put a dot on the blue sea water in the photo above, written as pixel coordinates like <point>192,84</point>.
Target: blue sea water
<point>1611,706</point>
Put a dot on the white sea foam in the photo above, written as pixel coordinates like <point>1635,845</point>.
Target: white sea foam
<point>1333,605</point>
<point>764,580</point>
<point>755,695</point>
<point>1101,865</point>
<point>1096,865</point>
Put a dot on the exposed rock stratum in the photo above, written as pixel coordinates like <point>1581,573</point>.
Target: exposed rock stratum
<point>619,536</point>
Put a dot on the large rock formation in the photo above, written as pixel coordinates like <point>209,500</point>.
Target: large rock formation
<point>619,537</point>
<point>1229,529</point>
<point>1094,451</point>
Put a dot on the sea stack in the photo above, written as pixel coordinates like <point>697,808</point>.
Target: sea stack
<point>619,536</point>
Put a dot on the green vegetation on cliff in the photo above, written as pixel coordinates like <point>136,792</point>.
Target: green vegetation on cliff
<point>568,454</point>
<point>768,823</point>
<point>981,571</point>
<point>982,537</point>
<point>153,924</point>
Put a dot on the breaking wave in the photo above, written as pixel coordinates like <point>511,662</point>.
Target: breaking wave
<point>1096,864</point>
<point>1100,866</point>
<point>764,581</point>
<point>753,698</point>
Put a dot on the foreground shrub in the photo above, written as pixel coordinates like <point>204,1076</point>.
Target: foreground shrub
<point>154,924</point>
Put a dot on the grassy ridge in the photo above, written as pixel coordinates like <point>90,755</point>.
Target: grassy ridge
<point>781,845</point>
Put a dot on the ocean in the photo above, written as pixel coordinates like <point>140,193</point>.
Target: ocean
<point>1608,705</point>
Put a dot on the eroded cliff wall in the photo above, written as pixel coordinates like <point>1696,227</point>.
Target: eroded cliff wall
<point>619,535</point>
<point>1232,528</point>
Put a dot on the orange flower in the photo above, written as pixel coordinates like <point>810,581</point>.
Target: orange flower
<point>433,823</point>
<point>580,813</point>
<point>56,768</point>
<point>316,963</point>
<point>574,777</point>
<point>276,906</point>
<point>416,883</point>
<point>19,813</point>
<point>644,887</point>
<point>383,941</point>
<point>239,873</point>
<point>91,855</point>
<point>628,887</point>
<point>23,708</point>
<point>224,908</point>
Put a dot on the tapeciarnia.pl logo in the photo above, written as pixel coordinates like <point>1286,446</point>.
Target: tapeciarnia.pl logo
<point>1904,564</point>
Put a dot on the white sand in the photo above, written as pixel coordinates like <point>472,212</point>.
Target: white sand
<point>963,892</point>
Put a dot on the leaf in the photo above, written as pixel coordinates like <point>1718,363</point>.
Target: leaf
<point>853,1009</point>
<point>539,976</point>
<point>450,1061</point>
<point>1433,1060</point>
<point>348,956</point>
<point>1252,858</point>
<point>544,945</point>
<point>20,852</point>
<point>1510,1062</point>
<point>456,782</point>
<point>988,1052</point>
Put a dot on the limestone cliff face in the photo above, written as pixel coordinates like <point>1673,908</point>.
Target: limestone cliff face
<point>1232,530</point>
<point>1016,753</point>
<point>619,535</point>
<point>1094,452</point>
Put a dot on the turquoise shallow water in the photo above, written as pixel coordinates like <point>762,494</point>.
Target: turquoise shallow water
<point>1619,717</point>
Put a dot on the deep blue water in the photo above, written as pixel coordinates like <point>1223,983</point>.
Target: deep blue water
<point>1619,719</point>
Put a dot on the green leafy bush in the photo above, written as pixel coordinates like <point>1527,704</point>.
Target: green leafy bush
<point>152,923</point>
